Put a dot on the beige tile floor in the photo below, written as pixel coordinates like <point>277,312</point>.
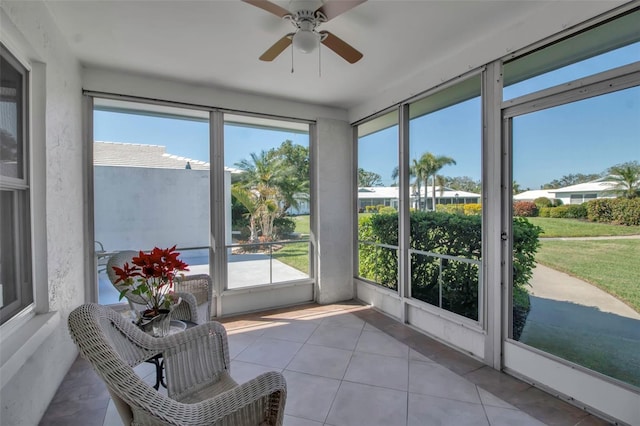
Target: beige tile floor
<point>346,364</point>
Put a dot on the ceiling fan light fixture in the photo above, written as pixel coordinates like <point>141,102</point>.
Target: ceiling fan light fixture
<point>306,41</point>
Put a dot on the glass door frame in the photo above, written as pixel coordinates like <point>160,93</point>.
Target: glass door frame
<point>568,380</point>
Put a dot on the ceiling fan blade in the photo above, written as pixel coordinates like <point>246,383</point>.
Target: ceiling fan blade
<point>341,47</point>
<point>269,7</point>
<point>333,8</point>
<point>277,48</point>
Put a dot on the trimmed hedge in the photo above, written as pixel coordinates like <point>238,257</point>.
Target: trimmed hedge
<point>545,211</point>
<point>621,211</point>
<point>472,209</point>
<point>571,211</point>
<point>451,235</point>
<point>387,210</point>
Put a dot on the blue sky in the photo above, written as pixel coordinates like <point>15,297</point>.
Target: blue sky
<point>584,137</point>
<point>188,138</point>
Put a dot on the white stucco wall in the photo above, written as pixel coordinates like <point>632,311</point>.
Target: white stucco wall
<point>29,28</point>
<point>139,208</point>
<point>333,209</point>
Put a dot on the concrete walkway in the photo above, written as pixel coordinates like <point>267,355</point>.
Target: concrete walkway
<point>583,324</point>
<point>548,283</point>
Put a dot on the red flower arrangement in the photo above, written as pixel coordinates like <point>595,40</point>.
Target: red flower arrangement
<point>151,277</point>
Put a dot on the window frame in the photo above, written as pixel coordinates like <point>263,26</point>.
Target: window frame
<point>20,188</point>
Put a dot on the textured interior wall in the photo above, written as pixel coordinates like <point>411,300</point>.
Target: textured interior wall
<point>29,27</point>
<point>333,207</point>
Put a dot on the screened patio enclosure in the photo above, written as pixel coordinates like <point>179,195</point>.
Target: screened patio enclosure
<point>253,172</point>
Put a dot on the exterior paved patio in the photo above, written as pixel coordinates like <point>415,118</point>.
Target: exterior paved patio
<point>348,364</point>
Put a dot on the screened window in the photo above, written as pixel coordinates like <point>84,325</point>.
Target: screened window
<point>611,45</point>
<point>267,193</point>
<point>378,200</point>
<point>15,228</point>
<point>445,163</point>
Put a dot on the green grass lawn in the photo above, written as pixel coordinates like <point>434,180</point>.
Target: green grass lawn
<point>554,227</point>
<point>295,255</point>
<point>612,265</point>
<point>302,224</point>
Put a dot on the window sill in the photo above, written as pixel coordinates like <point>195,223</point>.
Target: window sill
<point>22,343</point>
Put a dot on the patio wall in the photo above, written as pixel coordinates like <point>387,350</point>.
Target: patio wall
<point>138,208</point>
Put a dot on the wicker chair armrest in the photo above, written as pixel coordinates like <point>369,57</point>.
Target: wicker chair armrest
<point>259,401</point>
<point>187,310</point>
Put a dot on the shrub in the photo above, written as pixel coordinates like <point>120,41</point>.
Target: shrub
<point>524,209</point>
<point>472,209</point>
<point>283,227</point>
<point>450,208</point>
<point>371,209</point>
<point>559,212</point>
<point>541,202</point>
<point>599,210</point>
<point>387,210</point>
<point>622,211</point>
<point>450,235</point>
<point>545,211</point>
<point>626,211</point>
<point>576,211</point>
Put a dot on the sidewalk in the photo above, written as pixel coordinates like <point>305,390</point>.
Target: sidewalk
<point>578,322</point>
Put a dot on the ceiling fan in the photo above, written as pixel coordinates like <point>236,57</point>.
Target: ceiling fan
<point>306,38</point>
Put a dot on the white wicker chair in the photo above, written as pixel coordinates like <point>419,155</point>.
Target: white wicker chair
<point>196,291</point>
<point>199,387</point>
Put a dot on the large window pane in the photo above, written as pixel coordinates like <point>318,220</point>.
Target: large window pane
<point>151,184</point>
<point>445,135</point>
<point>580,163</point>
<point>378,200</point>
<point>267,181</point>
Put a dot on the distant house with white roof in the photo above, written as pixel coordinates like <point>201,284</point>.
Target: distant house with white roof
<point>389,196</point>
<point>573,194</point>
<point>578,194</point>
<point>533,194</point>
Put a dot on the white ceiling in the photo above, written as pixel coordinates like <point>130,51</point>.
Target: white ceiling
<point>218,42</point>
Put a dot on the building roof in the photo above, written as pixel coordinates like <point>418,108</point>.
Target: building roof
<point>138,155</point>
<point>593,186</point>
<point>533,194</point>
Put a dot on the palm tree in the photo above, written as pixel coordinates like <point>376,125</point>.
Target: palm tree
<point>257,189</point>
<point>414,171</point>
<point>428,166</point>
<point>626,178</point>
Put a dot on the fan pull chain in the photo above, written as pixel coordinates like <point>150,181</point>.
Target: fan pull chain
<point>291,59</point>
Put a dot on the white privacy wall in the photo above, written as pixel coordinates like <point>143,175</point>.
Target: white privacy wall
<point>44,353</point>
<point>135,206</point>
